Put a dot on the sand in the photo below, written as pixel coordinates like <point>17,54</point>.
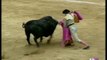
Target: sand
<point>91,30</point>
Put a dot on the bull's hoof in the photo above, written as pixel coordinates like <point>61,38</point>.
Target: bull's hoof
<point>38,46</point>
<point>40,42</point>
<point>48,42</point>
<point>30,44</point>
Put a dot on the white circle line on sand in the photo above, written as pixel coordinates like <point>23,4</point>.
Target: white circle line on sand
<point>86,2</point>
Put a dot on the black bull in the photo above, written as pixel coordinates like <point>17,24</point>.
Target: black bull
<point>39,28</point>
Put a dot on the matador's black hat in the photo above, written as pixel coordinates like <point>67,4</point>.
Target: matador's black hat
<point>66,11</point>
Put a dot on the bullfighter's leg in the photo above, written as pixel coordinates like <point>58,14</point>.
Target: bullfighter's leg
<point>37,44</point>
<point>28,37</point>
<point>48,41</point>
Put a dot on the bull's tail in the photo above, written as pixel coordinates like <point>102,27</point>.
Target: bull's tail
<point>23,25</point>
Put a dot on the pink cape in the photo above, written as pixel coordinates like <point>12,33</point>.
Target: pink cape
<point>78,15</point>
<point>66,34</point>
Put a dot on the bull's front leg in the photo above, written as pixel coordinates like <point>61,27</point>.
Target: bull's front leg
<point>48,41</point>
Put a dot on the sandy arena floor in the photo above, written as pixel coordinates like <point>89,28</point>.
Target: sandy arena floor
<point>91,30</point>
